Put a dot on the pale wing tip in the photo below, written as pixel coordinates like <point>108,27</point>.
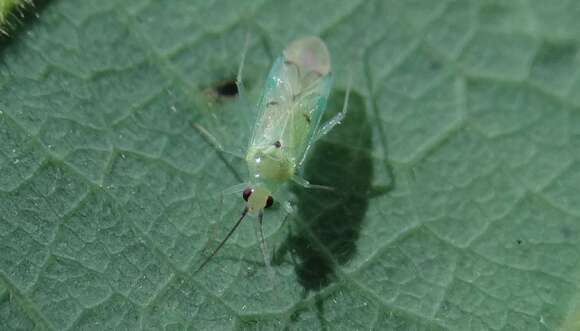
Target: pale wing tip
<point>309,53</point>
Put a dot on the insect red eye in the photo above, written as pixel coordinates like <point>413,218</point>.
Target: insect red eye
<point>269,202</point>
<point>247,192</point>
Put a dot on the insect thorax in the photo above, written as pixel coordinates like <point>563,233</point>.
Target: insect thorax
<point>268,164</point>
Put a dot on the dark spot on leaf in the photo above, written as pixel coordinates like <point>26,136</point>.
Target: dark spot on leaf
<point>269,202</point>
<point>435,65</point>
<point>519,241</point>
<point>227,88</point>
<point>553,61</point>
<point>553,53</point>
<point>567,233</point>
<point>277,144</point>
<point>495,14</point>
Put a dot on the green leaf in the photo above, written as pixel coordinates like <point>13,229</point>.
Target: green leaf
<point>457,169</point>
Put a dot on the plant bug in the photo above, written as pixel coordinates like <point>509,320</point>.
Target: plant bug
<point>287,124</point>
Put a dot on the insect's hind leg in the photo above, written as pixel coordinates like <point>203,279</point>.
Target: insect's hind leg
<point>337,119</point>
<point>307,185</point>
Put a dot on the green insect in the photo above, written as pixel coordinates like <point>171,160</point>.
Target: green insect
<point>287,125</point>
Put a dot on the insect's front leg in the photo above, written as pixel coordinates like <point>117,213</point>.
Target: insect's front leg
<point>234,189</point>
<point>214,141</point>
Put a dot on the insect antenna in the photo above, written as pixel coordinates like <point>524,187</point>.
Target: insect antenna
<point>223,241</point>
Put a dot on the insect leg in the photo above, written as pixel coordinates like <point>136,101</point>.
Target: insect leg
<point>218,127</point>
<point>243,97</point>
<point>234,189</point>
<point>263,246</point>
<point>239,81</point>
<point>306,184</point>
<point>290,210</point>
<point>337,119</point>
<point>214,141</point>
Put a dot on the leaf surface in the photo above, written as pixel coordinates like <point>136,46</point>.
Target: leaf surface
<point>457,169</point>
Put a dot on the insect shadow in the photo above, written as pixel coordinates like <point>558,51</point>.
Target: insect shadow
<point>328,226</point>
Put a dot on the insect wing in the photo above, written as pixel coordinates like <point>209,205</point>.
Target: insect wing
<point>291,107</point>
<point>306,116</point>
<point>273,108</point>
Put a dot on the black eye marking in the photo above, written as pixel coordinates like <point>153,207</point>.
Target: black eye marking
<point>228,88</point>
<point>269,202</point>
<point>272,103</point>
<point>247,192</point>
<point>277,144</point>
<point>306,117</point>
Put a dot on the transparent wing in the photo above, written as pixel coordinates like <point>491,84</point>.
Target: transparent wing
<point>291,107</point>
<point>308,114</point>
<point>273,109</point>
